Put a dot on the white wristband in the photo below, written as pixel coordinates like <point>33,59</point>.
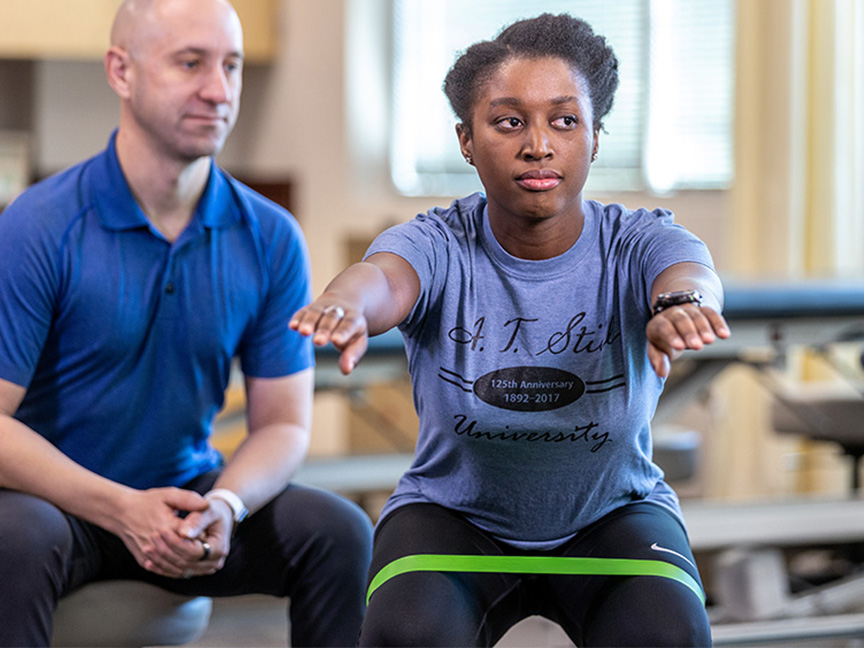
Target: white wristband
<point>232,499</point>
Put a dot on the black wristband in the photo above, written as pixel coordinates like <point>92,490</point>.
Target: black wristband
<point>667,300</point>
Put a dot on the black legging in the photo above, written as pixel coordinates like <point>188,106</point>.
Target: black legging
<point>307,544</point>
<point>470,609</point>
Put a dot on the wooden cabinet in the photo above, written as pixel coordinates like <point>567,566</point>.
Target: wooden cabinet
<point>78,29</point>
<point>260,20</point>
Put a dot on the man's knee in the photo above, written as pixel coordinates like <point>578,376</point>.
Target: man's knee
<point>332,519</point>
<point>32,531</point>
<point>35,543</point>
<point>322,530</point>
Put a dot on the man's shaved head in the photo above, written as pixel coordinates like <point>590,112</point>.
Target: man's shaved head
<point>137,21</point>
<point>131,13</point>
<point>177,66</point>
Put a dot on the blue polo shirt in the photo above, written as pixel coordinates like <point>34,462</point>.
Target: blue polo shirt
<point>125,340</point>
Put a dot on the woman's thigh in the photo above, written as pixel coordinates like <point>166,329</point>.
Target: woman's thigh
<point>432,608</point>
<point>635,610</point>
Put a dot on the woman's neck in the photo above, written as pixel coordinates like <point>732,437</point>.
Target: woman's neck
<point>536,239</point>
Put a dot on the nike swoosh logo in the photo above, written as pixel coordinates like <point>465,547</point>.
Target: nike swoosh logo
<point>657,547</point>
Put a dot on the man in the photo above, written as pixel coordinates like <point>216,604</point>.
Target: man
<point>129,283</point>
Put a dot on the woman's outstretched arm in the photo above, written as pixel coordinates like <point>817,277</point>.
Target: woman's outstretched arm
<point>365,299</point>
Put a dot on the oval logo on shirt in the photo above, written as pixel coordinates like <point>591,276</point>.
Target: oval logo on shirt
<point>529,389</point>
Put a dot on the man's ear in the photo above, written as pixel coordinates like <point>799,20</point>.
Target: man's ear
<point>118,70</point>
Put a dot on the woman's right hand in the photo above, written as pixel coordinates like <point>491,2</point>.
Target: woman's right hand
<point>365,299</point>
<point>334,320</point>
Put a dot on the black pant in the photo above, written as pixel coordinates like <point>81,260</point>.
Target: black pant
<point>473,609</point>
<point>306,544</point>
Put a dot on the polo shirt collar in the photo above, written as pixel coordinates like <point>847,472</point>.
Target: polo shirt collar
<point>118,209</point>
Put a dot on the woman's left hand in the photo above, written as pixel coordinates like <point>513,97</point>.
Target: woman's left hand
<point>674,330</point>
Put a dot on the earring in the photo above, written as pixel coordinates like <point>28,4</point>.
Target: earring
<point>594,156</point>
<point>469,159</point>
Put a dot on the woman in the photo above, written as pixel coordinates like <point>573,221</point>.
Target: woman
<point>539,328</point>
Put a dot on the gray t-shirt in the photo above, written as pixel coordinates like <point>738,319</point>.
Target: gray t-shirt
<point>531,378</point>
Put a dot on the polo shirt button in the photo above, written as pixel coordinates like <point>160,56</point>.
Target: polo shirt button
<point>169,287</point>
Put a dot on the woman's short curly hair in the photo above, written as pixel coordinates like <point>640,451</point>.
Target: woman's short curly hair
<point>547,35</point>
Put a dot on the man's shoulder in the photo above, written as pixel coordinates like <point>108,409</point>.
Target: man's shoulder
<point>51,203</point>
<point>261,203</point>
<point>259,208</point>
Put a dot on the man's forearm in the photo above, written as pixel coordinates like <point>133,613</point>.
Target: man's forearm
<point>264,463</point>
<point>32,465</point>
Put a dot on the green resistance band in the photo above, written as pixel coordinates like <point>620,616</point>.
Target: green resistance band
<point>534,565</point>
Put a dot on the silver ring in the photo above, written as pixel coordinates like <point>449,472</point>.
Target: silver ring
<point>338,311</point>
<point>187,574</point>
<point>206,547</point>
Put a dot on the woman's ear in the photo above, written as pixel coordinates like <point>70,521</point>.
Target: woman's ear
<point>465,143</point>
<point>596,149</point>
